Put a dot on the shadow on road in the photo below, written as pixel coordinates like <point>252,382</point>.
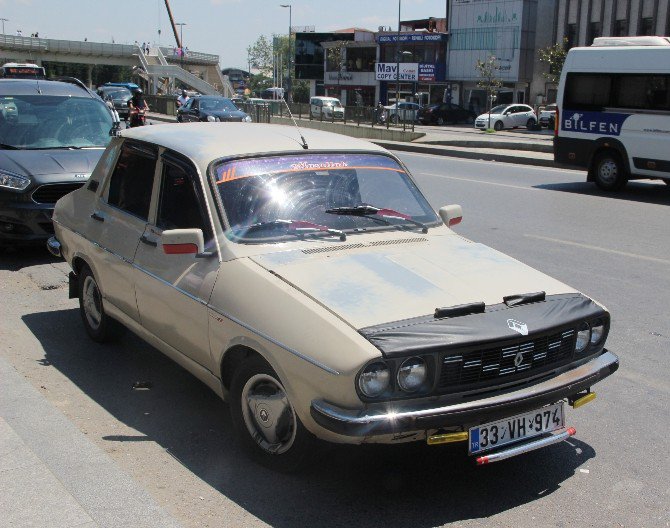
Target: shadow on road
<point>14,259</point>
<point>368,486</point>
<point>646,192</point>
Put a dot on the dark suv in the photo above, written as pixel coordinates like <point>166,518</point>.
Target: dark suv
<point>52,135</point>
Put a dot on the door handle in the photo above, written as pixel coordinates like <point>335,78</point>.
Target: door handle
<point>97,217</point>
<point>148,241</point>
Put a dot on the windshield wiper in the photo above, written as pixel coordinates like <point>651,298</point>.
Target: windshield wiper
<point>4,146</point>
<point>371,211</point>
<point>298,227</point>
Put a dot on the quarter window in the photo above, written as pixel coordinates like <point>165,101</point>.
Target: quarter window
<point>132,181</point>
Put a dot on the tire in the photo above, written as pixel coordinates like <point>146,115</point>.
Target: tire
<point>285,446</point>
<point>608,171</point>
<point>498,126</point>
<point>530,124</point>
<point>99,326</point>
<point>440,121</point>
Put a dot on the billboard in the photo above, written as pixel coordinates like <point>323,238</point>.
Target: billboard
<point>480,28</point>
<point>388,71</point>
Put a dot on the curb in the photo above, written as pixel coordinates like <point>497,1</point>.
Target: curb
<point>511,145</point>
<point>482,156</point>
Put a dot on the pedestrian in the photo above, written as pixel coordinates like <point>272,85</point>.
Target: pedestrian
<point>85,39</point>
<point>18,33</point>
<point>182,99</point>
<point>37,35</point>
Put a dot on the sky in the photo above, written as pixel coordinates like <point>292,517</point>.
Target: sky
<point>222,27</point>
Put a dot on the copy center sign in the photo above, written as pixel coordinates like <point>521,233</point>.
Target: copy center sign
<point>388,71</point>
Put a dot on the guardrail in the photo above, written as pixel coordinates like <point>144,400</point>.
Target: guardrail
<point>67,46</point>
<point>353,115</point>
<point>190,56</point>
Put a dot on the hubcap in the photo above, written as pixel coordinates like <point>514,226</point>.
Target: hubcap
<point>267,414</point>
<point>607,171</point>
<point>92,302</point>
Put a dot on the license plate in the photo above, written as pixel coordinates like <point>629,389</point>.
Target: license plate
<point>496,434</point>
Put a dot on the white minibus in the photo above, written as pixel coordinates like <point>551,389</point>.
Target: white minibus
<point>613,113</point>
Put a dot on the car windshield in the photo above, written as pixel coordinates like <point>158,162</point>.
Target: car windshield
<point>498,109</point>
<point>217,105</point>
<point>119,94</point>
<point>51,122</point>
<point>331,103</point>
<point>263,197</point>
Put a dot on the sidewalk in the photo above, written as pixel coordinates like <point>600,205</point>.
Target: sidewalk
<point>52,475</point>
<point>520,146</point>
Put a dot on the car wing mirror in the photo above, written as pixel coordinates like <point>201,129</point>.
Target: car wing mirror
<point>183,242</point>
<point>451,214</point>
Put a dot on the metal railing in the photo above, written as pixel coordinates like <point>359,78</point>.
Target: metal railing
<point>190,56</point>
<point>353,115</point>
<point>77,47</point>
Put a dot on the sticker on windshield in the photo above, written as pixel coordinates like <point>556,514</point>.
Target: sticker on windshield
<point>320,164</point>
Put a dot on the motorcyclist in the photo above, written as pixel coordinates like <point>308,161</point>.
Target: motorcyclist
<point>182,99</point>
<point>380,112</point>
<point>137,104</point>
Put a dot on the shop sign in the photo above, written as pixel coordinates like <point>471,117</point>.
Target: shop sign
<point>427,72</point>
<point>419,37</point>
<point>387,71</point>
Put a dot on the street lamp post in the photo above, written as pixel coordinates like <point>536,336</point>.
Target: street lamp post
<point>288,62</point>
<point>181,41</point>
<point>397,63</point>
<point>3,24</point>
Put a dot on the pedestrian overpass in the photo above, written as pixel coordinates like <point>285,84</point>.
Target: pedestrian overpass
<point>160,67</point>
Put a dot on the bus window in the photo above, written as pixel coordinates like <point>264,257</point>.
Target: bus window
<point>587,91</point>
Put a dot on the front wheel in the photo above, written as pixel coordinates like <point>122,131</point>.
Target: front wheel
<point>608,171</point>
<point>498,126</point>
<point>99,326</point>
<point>265,423</point>
<point>530,124</point>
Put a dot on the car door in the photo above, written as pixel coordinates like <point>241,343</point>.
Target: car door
<point>118,221</point>
<point>173,290</point>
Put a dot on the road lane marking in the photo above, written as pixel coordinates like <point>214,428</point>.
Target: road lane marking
<point>468,160</point>
<point>480,181</point>
<point>597,248</point>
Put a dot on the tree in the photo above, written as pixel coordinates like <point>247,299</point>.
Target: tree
<point>488,71</point>
<point>260,55</point>
<point>335,58</point>
<point>554,56</point>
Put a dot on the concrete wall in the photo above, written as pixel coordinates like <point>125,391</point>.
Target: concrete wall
<point>363,132</point>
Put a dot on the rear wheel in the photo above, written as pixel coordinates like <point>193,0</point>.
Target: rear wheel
<point>608,171</point>
<point>99,326</point>
<point>265,423</point>
<point>498,126</point>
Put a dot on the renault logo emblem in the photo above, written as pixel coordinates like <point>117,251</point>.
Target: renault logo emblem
<point>518,326</point>
<point>518,359</point>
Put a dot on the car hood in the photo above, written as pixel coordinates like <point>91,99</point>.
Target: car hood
<point>48,162</point>
<point>227,114</point>
<point>486,116</point>
<point>372,283</point>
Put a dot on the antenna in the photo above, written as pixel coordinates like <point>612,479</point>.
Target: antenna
<point>304,143</point>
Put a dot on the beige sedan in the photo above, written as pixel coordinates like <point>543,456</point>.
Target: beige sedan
<point>308,282</point>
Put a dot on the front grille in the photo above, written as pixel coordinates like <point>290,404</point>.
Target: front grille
<point>499,364</point>
<point>51,193</point>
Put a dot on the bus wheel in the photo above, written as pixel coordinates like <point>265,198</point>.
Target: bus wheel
<point>608,171</point>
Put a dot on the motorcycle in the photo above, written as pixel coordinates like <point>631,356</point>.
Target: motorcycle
<point>137,117</point>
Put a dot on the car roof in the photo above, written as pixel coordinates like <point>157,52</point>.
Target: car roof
<point>204,142</point>
<point>41,87</point>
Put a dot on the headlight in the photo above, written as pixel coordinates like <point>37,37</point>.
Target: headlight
<point>13,181</point>
<point>597,332</point>
<point>412,374</point>
<point>374,379</point>
<point>247,119</point>
<point>583,337</point>
<point>212,118</point>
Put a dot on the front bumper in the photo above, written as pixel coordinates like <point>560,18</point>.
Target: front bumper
<point>434,413</point>
<point>22,220</point>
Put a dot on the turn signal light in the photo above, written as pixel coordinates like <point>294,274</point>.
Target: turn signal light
<point>447,438</point>
<point>584,400</point>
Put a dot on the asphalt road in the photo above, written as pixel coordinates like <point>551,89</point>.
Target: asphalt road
<point>175,438</point>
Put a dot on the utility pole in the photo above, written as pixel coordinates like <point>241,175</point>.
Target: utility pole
<point>288,62</point>
<point>3,24</point>
<point>397,64</point>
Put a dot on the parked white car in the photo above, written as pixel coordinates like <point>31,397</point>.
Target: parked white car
<point>310,284</point>
<point>402,111</point>
<point>327,108</point>
<point>507,116</point>
<point>548,116</point>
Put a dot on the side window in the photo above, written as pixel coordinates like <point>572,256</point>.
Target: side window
<point>587,91</point>
<point>179,206</point>
<point>194,104</point>
<point>132,181</point>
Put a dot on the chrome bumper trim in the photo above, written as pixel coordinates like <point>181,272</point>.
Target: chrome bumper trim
<point>433,413</point>
<point>54,247</point>
<point>553,438</point>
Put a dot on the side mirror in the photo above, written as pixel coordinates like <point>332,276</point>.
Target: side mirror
<point>451,214</point>
<point>183,242</point>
